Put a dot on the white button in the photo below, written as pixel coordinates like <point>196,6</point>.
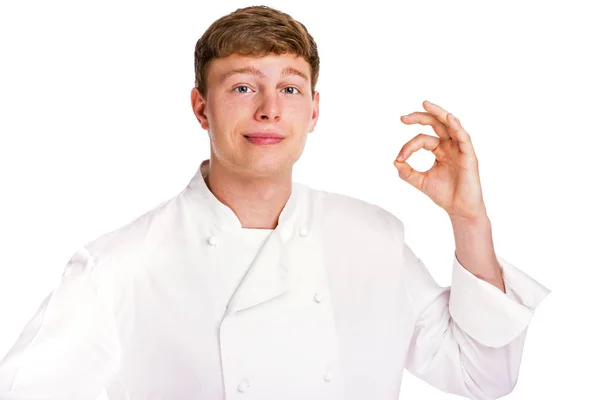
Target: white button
<point>212,240</point>
<point>243,386</point>
<point>328,376</point>
<point>319,297</point>
<point>303,232</point>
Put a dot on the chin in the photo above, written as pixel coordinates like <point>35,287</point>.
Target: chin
<point>266,166</point>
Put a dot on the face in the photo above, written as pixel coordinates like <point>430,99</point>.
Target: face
<point>248,96</point>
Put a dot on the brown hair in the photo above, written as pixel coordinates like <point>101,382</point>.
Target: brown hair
<point>254,31</point>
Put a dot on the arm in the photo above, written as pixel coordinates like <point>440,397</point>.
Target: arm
<point>468,339</point>
<point>475,249</point>
<point>70,348</point>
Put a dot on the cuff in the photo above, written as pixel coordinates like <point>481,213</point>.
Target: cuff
<point>487,314</point>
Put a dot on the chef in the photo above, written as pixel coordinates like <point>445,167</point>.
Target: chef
<point>247,285</point>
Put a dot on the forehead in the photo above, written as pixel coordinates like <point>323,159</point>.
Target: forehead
<point>271,65</point>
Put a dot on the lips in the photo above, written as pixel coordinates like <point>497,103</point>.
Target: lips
<point>264,135</point>
<point>264,138</point>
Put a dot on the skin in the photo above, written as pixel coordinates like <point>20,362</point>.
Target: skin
<point>453,183</point>
<point>255,181</point>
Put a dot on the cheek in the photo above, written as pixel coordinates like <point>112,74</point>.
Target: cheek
<point>224,113</point>
<point>304,109</point>
<point>226,120</point>
<point>302,116</point>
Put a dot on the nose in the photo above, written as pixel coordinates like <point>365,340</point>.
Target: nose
<point>268,107</point>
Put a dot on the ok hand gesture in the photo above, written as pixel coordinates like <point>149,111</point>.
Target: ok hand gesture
<point>453,181</point>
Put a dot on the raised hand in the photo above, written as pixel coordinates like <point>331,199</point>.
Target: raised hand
<point>453,181</point>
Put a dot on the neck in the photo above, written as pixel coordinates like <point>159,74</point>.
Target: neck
<point>257,202</point>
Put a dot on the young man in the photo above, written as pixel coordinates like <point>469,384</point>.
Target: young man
<point>248,285</point>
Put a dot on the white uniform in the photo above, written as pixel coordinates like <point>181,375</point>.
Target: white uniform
<point>183,303</point>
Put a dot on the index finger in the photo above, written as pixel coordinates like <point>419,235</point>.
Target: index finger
<point>455,128</point>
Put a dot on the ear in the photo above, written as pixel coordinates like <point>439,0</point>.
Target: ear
<point>315,112</point>
<point>199,108</point>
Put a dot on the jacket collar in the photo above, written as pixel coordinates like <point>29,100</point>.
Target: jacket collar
<point>224,219</point>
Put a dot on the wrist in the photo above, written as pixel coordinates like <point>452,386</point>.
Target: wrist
<point>481,223</point>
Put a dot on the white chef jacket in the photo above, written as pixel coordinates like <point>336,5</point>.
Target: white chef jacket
<point>184,303</point>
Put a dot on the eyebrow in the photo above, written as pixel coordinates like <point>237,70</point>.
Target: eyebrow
<point>256,72</point>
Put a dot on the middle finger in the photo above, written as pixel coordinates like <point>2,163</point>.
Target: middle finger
<point>424,118</point>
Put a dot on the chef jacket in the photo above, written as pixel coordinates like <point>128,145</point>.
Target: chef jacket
<point>185,303</point>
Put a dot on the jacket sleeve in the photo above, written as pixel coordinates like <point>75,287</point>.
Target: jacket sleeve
<point>468,339</point>
<point>69,349</point>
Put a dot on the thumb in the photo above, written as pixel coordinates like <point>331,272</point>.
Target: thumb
<point>408,174</point>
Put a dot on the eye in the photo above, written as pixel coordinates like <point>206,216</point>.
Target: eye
<point>247,89</point>
<point>292,91</point>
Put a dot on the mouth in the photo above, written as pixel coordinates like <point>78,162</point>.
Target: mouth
<point>262,141</point>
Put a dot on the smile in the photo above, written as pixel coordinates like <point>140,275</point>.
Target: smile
<point>261,141</point>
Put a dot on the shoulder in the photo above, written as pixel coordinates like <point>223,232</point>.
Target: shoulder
<point>138,239</point>
<point>341,210</point>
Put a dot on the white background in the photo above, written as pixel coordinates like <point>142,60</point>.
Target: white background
<point>96,128</point>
